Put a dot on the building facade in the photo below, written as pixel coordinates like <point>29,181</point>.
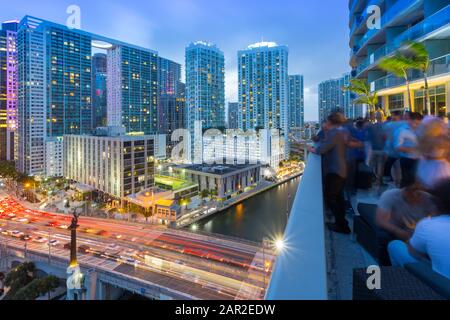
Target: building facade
<point>425,21</point>
<point>263,89</point>
<point>135,105</point>
<point>99,92</point>
<point>62,91</point>
<point>233,117</point>
<point>332,97</point>
<point>205,88</point>
<point>223,180</point>
<point>171,97</point>
<point>115,165</point>
<point>296,101</point>
<point>8,90</point>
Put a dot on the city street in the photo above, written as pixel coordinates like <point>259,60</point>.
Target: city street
<point>217,264</point>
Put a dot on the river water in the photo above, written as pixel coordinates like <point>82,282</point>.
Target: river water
<point>264,215</point>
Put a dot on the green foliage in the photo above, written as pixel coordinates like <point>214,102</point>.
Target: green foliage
<point>8,170</point>
<point>418,56</point>
<point>204,193</point>
<point>19,277</point>
<point>362,89</point>
<point>36,288</point>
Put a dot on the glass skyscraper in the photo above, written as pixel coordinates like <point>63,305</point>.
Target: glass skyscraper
<point>233,117</point>
<point>263,88</point>
<point>205,89</point>
<point>99,93</point>
<point>134,70</point>
<point>205,85</point>
<point>55,93</point>
<point>171,94</point>
<point>332,97</point>
<point>8,89</point>
<point>426,21</point>
<point>296,101</point>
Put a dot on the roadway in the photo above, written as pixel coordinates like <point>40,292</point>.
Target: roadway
<point>210,267</point>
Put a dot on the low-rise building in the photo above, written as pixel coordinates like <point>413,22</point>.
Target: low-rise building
<point>223,180</point>
<point>157,203</point>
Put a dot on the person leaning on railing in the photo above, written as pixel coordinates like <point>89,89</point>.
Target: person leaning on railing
<point>333,148</point>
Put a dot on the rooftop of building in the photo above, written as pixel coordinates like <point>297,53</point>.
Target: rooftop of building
<point>204,44</point>
<point>264,45</point>
<point>218,169</point>
<point>115,133</point>
<point>99,41</point>
<point>174,183</point>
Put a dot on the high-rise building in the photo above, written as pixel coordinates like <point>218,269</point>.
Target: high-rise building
<point>332,97</point>
<point>263,89</point>
<point>233,118</point>
<point>205,89</point>
<point>425,21</point>
<point>8,89</point>
<point>55,75</point>
<point>135,71</point>
<point>99,93</point>
<point>296,101</point>
<point>171,96</point>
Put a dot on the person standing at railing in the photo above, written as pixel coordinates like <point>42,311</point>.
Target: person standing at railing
<point>389,128</point>
<point>333,148</point>
<point>376,139</point>
<point>406,144</point>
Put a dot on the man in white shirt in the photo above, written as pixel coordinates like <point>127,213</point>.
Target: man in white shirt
<point>431,239</point>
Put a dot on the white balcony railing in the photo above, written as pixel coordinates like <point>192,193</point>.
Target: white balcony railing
<point>300,272</point>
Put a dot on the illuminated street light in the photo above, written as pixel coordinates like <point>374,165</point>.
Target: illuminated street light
<point>194,227</point>
<point>279,244</point>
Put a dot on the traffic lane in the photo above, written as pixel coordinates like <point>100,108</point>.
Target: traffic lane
<point>163,280</point>
<point>143,233</point>
<point>201,264</point>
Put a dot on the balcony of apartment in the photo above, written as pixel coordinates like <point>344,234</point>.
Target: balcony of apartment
<point>316,264</point>
<point>356,6</point>
<point>438,72</point>
<point>436,26</point>
<point>401,13</point>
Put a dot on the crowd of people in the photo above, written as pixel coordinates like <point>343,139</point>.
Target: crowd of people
<point>408,158</point>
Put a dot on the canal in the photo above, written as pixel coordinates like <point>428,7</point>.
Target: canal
<point>264,215</point>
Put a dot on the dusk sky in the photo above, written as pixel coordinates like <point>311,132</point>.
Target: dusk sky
<point>316,32</point>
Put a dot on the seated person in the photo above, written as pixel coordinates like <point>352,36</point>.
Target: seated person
<point>431,239</point>
<point>397,214</point>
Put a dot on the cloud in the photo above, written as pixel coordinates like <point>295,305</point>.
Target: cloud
<point>131,26</point>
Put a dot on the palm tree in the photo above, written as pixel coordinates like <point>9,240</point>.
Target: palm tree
<point>420,60</point>
<point>365,96</point>
<point>399,65</point>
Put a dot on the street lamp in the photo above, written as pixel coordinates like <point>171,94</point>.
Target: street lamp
<point>265,241</point>
<point>279,244</point>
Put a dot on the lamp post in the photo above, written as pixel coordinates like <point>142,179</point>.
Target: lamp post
<point>264,242</point>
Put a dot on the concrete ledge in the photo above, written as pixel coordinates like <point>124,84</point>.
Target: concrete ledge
<point>300,272</point>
